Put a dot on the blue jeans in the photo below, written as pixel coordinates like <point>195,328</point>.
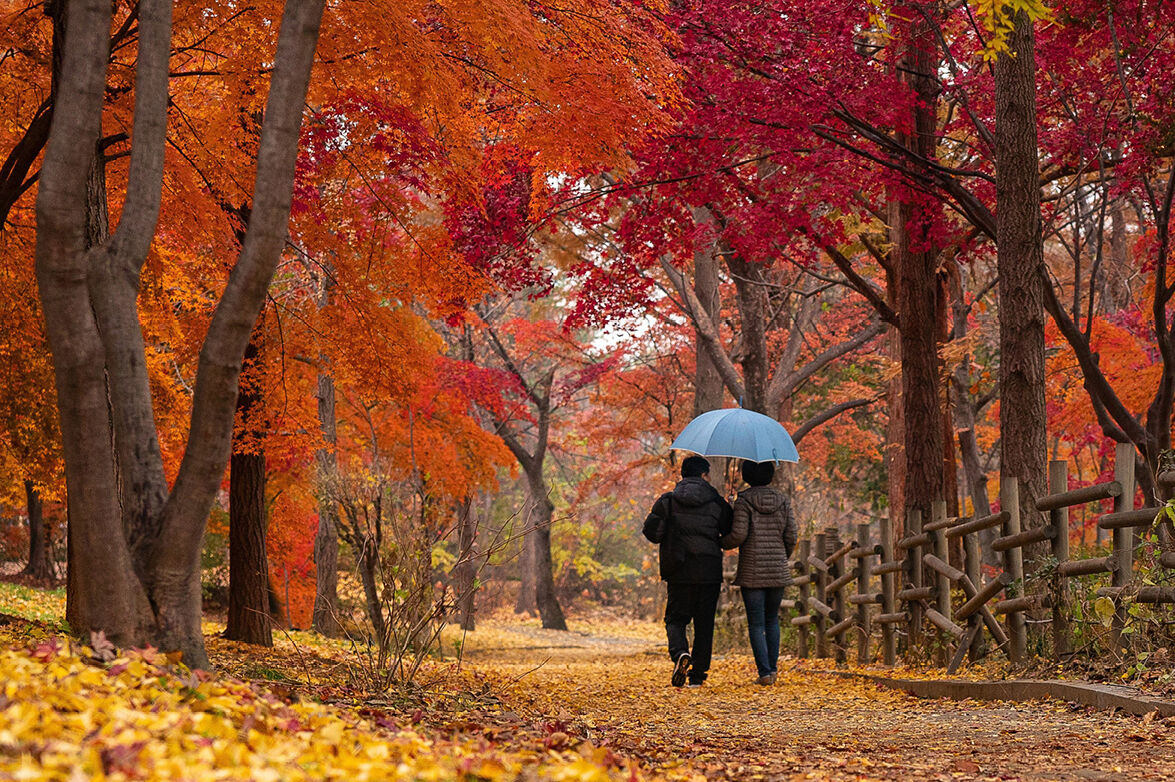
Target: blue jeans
<point>763,625</point>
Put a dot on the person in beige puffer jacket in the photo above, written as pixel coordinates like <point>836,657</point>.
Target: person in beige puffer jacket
<point>764,531</point>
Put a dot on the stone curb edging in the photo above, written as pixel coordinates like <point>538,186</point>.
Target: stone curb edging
<point>1100,696</point>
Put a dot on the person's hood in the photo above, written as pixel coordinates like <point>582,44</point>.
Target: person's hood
<point>763,499</point>
<point>694,492</point>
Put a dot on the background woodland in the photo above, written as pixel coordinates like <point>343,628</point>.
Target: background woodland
<point>439,282</point>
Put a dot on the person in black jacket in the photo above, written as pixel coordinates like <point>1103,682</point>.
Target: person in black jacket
<point>688,523</point>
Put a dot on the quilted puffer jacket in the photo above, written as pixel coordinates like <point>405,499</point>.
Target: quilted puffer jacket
<point>764,531</point>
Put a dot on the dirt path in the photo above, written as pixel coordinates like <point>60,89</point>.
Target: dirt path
<point>611,687</point>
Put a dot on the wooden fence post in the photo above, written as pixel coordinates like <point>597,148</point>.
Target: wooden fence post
<point>942,597</point>
<point>914,579</point>
<point>804,617</point>
<point>1059,519</point>
<point>1014,567</point>
<point>1123,551</point>
<point>889,647</point>
<point>862,589</point>
<point>821,582</point>
<point>972,566</point>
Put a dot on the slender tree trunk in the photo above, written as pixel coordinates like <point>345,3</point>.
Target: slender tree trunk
<point>752,307</point>
<point>248,579</point>
<point>1021,275</point>
<point>708,385</point>
<point>466,570</point>
<point>39,566</point>
<point>325,618</point>
<point>368,564</point>
<point>1116,277</point>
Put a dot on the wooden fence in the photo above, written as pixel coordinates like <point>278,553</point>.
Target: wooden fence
<point>852,587</point>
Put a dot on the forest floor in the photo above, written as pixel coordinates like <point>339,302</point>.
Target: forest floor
<point>521,702</point>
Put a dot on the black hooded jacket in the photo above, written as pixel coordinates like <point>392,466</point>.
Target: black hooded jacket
<point>688,522</point>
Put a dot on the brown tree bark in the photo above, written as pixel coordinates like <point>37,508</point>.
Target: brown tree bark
<point>708,387</point>
<point>39,567</point>
<point>325,617</point>
<point>466,568</point>
<point>915,259</point>
<point>248,580</point>
<point>526,602</point>
<point>135,547</point>
<point>1021,275</point>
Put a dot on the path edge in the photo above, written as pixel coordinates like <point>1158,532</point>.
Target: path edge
<point>1100,696</point>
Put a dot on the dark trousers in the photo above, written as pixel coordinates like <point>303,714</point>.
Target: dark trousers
<point>695,603</point>
<point>763,625</point>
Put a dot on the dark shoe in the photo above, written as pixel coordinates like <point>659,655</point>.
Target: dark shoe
<point>766,679</point>
<point>692,685</point>
<point>680,668</point>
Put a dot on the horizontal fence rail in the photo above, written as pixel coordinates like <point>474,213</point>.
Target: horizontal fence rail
<point>913,586</point>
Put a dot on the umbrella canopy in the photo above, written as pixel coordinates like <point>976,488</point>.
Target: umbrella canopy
<point>738,434</point>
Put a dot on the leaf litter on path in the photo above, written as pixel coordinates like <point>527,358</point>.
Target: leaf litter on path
<point>810,725</point>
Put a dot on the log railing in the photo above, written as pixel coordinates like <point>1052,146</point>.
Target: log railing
<point>910,587</point>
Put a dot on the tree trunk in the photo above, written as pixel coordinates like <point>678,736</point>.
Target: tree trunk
<point>1116,277</point>
<point>136,565</point>
<point>325,619</point>
<point>368,564</point>
<point>466,568</point>
<point>950,466</point>
<point>540,539</point>
<point>526,602</point>
<point>752,307</point>
<point>895,427</point>
<point>248,574</point>
<point>916,262</point>
<point>39,566</point>
<point>1021,276</point>
<point>708,385</point>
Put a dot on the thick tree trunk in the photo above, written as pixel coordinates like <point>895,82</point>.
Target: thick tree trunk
<point>895,426</point>
<point>466,569</point>
<point>915,259</point>
<point>325,619</point>
<point>248,575</point>
<point>39,566</point>
<point>1021,276</point>
<point>137,566</point>
<point>526,601</point>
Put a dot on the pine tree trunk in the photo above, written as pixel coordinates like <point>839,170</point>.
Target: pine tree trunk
<point>895,427</point>
<point>916,259</point>
<point>39,566</point>
<point>248,579</point>
<point>1020,261</point>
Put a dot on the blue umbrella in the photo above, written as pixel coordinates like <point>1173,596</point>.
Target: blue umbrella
<point>739,434</point>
